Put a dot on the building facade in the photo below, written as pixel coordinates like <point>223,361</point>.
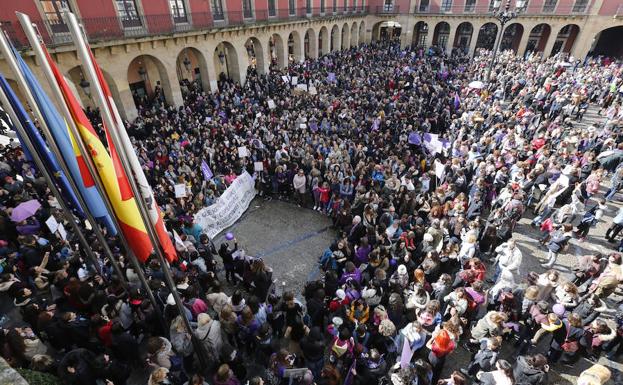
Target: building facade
<point>144,44</point>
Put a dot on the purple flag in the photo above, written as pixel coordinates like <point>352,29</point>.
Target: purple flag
<point>415,138</point>
<point>331,78</point>
<point>375,124</point>
<point>207,173</point>
<point>457,101</point>
<point>349,376</point>
<point>407,353</point>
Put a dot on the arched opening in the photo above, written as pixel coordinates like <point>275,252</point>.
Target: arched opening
<point>82,86</point>
<point>335,38</point>
<point>226,62</point>
<point>310,44</point>
<point>294,47</point>
<point>420,34</point>
<point>345,37</point>
<point>565,39</point>
<point>323,41</point>
<point>275,51</point>
<point>362,32</point>
<point>354,35</point>
<point>463,36</point>
<point>486,36</point>
<point>441,34</point>
<point>386,30</point>
<point>192,70</point>
<point>148,81</point>
<point>608,43</point>
<point>538,38</point>
<point>255,54</point>
<point>512,37</point>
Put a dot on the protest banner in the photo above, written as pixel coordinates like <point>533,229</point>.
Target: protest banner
<point>228,208</point>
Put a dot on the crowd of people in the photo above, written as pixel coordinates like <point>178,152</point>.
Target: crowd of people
<point>424,175</point>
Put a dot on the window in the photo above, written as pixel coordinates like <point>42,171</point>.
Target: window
<point>178,9</point>
<point>549,5</point>
<point>424,4</point>
<point>217,10</point>
<point>53,14</point>
<point>271,8</point>
<point>580,5</point>
<point>354,5</point>
<point>334,6</point>
<point>247,11</point>
<point>446,5</point>
<point>321,6</point>
<point>292,7</point>
<point>128,13</point>
<point>491,5</point>
<point>345,7</point>
<point>388,6</point>
<point>470,5</point>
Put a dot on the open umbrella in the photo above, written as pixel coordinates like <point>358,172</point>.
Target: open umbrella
<point>476,84</point>
<point>25,210</point>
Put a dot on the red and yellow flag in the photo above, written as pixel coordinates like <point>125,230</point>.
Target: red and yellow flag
<point>145,190</point>
<point>110,171</point>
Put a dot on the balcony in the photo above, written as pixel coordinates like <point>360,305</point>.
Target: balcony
<point>101,29</point>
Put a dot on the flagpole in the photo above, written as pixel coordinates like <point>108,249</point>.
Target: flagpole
<point>35,44</point>
<point>106,114</point>
<point>46,174</point>
<point>10,59</point>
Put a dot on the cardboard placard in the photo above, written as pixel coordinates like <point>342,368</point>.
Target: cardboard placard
<point>180,190</point>
<point>243,152</point>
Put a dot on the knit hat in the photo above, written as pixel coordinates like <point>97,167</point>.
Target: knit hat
<point>341,294</point>
<point>203,319</point>
<point>387,328</point>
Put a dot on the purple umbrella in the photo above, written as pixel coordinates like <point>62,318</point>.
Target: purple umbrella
<point>25,210</point>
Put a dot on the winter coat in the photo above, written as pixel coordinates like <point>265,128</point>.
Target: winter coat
<point>486,328</point>
<point>525,374</point>
<point>211,337</point>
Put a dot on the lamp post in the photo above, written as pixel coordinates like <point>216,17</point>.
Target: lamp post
<point>86,87</point>
<point>504,15</point>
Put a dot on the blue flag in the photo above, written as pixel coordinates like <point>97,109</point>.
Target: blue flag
<point>41,147</point>
<point>59,130</point>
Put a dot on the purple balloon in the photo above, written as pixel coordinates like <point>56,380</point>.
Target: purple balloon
<point>559,309</point>
<point>229,236</point>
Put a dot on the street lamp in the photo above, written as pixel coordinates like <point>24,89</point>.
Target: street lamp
<point>142,73</point>
<point>86,86</point>
<point>504,15</point>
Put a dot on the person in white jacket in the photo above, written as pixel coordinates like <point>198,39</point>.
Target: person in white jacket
<point>299,183</point>
<point>508,257</point>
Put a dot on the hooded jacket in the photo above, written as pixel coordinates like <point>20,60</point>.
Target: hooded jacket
<point>525,374</point>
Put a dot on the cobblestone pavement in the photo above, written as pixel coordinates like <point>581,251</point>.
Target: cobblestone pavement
<point>290,239</point>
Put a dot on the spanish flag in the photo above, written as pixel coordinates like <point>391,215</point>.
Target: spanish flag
<point>139,175</point>
<point>110,172</point>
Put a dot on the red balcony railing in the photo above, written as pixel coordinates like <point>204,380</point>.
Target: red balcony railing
<point>115,28</point>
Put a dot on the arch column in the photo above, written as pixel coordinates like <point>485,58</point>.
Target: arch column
<point>119,75</point>
<point>453,30</point>
<point>583,44</point>
<point>406,37</point>
<point>172,90</point>
<point>547,51</point>
<point>523,43</point>
<point>212,70</point>
<point>474,41</point>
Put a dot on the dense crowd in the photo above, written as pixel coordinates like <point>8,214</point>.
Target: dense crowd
<point>424,174</point>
